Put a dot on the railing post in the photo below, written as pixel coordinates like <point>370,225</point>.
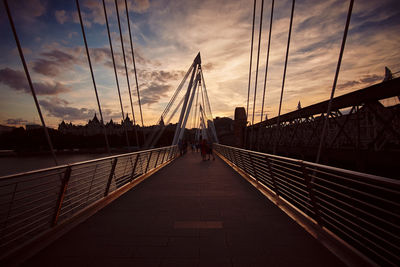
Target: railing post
<point>253,166</point>
<point>234,159</point>
<point>111,176</point>
<point>148,162</point>
<point>241,166</point>
<point>271,173</point>
<point>158,155</point>
<point>134,166</point>
<point>309,184</point>
<point>163,156</point>
<point>61,195</point>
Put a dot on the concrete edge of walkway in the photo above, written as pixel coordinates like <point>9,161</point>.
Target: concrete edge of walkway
<point>28,250</point>
<point>341,249</point>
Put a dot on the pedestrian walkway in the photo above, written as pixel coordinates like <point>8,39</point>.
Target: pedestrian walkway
<point>190,213</point>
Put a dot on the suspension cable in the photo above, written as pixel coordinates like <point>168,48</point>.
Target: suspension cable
<point>267,60</point>
<point>205,93</point>
<point>28,77</point>
<point>155,140</point>
<point>284,76</point>
<point>134,63</point>
<point>196,107</point>
<point>127,76</point>
<point>115,73</point>
<point>178,89</point>
<point>93,80</point>
<point>251,59</point>
<point>256,79</point>
<point>335,80</point>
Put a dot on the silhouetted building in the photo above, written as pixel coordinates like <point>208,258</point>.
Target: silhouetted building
<point>93,127</point>
<point>239,126</point>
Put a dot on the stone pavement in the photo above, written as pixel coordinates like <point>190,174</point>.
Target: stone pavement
<point>190,213</point>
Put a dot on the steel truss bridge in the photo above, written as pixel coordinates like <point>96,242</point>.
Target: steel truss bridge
<point>154,207</point>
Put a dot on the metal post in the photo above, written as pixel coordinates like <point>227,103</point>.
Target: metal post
<point>21,54</point>
<point>271,173</point>
<point>61,195</point>
<point>158,155</point>
<point>148,162</point>
<point>309,182</point>
<point>134,167</point>
<point>9,210</point>
<point>114,164</point>
<point>162,160</point>
<point>253,166</point>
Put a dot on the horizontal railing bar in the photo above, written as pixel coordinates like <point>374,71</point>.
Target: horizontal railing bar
<point>12,225</point>
<point>77,164</point>
<point>282,173</point>
<point>357,199</point>
<point>16,216</point>
<point>364,221</point>
<point>357,209</point>
<point>371,177</point>
<point>362,237</point>
<point>353,181</point>
<point>281,179</point>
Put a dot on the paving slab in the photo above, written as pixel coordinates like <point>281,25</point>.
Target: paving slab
<point>190,213</point>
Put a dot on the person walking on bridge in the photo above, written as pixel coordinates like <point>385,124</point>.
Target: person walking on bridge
<point>203,149</point>
<point>210,150</point>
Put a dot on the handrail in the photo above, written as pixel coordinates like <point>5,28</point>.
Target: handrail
<point>362,210</point>
<point>371,177</point>
<point>69,189</point>
<point>77,163</point>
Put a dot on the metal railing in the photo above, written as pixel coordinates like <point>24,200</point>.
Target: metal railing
<point>34,202</point>
<point>361,209</point>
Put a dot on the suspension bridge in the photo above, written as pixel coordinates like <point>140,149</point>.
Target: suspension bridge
<point>272,198</point>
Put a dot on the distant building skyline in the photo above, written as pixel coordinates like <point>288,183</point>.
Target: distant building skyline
<point>167,35</point>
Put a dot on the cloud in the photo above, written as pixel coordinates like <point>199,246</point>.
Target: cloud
<point>25,50</point>
<point>72,34</point>
<point>28,11</point>
<point>56,61</point>
<point>371,78</point>
<point>17,80</point>
<point>18,121</point>
<point>153,92</point>
<point>364,81</point>
<point>61,16</point>
<point>139,6</point>
<point>64,112</point>
<point>160,76</point>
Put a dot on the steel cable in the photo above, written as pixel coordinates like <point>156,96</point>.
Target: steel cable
<point>284,77</point>
<point>251,59</point>
<point>267,60</point>
<point>115,73</point>
<point>256,79</point>
<point>335,80</point>
<point>134,63</point>
<point>126,72</point>
<point>28,77</point>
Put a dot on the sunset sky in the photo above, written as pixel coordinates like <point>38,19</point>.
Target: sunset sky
<point>167,35</point>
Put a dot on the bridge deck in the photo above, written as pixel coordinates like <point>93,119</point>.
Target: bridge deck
<point>191,213</point>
